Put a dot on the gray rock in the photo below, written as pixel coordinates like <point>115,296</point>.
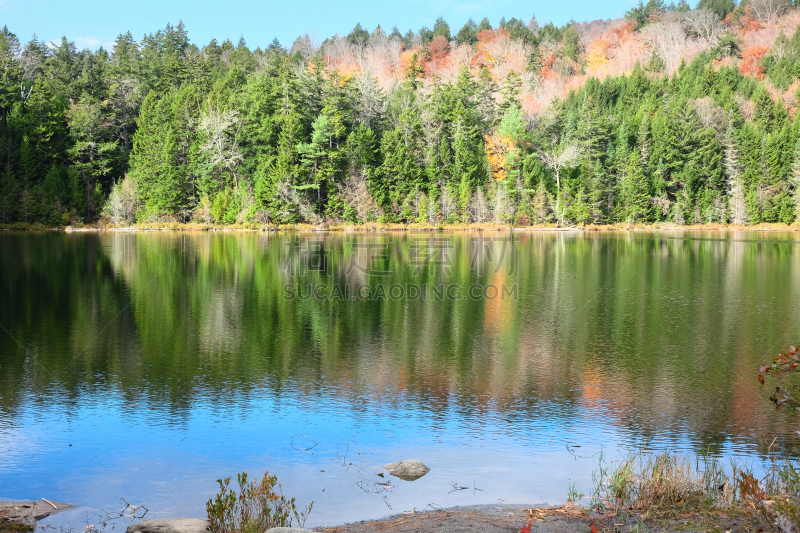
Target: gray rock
<point>29,512</point>
<point>407,470</point>
<point>289,530</point>
<point>170,525</point>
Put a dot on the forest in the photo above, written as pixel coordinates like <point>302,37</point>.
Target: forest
<point>669,114</point>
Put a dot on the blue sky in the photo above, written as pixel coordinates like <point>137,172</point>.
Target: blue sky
<point>91,23</point>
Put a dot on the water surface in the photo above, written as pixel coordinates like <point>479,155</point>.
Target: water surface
<point>145,366</point>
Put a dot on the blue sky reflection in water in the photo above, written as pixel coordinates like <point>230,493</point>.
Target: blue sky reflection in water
<point>168,361</point>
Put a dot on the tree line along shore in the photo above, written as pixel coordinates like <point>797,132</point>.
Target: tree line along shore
<point>670,116</point>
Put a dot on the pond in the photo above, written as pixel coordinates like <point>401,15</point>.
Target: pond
<point>145,366</point>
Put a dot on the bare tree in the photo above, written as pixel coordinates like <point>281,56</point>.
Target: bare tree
<point>533,24</point>
<point>221,129</point>
<point>703,24</point>
<point>769,9</point>
<point>306,45</point>
<point>711,115</point>
<point>291,197</point>
<point>448,204</point>
<point>733,173</point>
<point>668,38</point>
<point>127,96</point>
<point>30,60</point>
<point>371,103</point>
<point>123,202</point>
<point>503,207</point>
<point>560,156</point>
<point>498,50</point>
<point>355,191</point>
<point>337,50</point>
<point>479,207</point>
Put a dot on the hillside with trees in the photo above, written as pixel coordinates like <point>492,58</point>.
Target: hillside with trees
<point>670,114</point>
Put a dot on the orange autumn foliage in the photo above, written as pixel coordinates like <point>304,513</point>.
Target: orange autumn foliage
<point>747,22</point>
<point>597,53</point>
<point>612,49</point>
<point>547,67</point>
<point>438,54</point>
<point>751,61</point>
<point>622,32</point>
<point>485,49</point>
<point>407,56</point>
<point>489,36</point>
<point>497,148</point>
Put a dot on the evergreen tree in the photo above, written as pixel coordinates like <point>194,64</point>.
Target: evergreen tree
<point>468,34</point>
<point>441,28</point>
<point>795,179</point>
<point>484,25</point>
<point>92,153</point>
<point>635,191</point>
<point>720,7</point>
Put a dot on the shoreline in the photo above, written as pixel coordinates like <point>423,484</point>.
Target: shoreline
<point>22,517</point>
<point>398,228</point>
<point>566,518</point>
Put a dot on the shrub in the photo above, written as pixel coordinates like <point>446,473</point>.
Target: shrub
<point>258,506</point>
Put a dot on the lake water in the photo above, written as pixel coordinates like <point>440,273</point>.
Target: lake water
<point>145,366</point>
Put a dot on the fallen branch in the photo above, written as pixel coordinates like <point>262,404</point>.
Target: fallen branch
<point>51,503</point>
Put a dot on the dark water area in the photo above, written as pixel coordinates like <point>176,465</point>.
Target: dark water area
<point>145,366</point>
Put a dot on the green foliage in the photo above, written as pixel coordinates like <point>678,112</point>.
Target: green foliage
<point>572,43</point>
<point>720,7</point>
<point>782,64</point>
<point>519,30</point>
<point>468,34</point>
<point>635,191</point>
<point>484,25</point>
<point>441,28</point>
<point>257,507</point>
<point>359,35</point>
<point>224,134</point>
<point>643,13</point>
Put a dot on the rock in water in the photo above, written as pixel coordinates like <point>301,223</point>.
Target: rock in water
<point>29,513</point>
<point>170,525</point>
<point>407,470</point>
<point>289,530</point>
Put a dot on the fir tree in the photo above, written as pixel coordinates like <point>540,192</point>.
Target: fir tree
<point>796,178</point>
<point>635,190</point>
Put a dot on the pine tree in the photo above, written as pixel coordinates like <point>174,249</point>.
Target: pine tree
<point>441,28</point>
<point>635,190</point>
<point>795,179</point>
<point>643,141</point>
<point>542,205</point>
<point>511,93</point>
<point>467,34</point>
<point>92,153</point>
<point>27,163</point>
<point>154,160</point>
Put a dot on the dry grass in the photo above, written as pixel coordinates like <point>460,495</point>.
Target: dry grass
<point>669,485</point>
<point>9,527</point>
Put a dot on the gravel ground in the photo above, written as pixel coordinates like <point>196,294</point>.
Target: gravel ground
<point>478,518</point>
<point>544,519</point>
